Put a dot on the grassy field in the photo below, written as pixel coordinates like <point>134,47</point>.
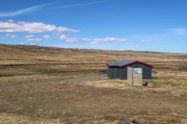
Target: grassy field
<point>40,85</point>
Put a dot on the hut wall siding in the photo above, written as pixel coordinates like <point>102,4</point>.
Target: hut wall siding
<point>123,73</point>
<point>113,73</point>
<point>109,73</point>
<point>117,73</point>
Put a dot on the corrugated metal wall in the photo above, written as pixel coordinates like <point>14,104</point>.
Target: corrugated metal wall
<point>117,73</point>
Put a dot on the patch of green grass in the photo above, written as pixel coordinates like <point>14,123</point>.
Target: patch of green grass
<point>12,74</point>
<point>111,117</point>
<point>6,75</point>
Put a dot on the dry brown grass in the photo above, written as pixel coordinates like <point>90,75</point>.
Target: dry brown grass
<point>116,84</point>
<point>52,85</point>
<point>20,119</point>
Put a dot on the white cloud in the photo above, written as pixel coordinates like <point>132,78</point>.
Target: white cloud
<point>108,39</point>
<point>46,29</point>
<point>22,11</point>
<point>46,37</point>
<point>29,36</point>
<point>142,41</point>
<point>69,38</point>
<point>10,36</point>
<point>92,40</point>
<point>34,39</point>
<point>178,31</point>
<point>31,27</point>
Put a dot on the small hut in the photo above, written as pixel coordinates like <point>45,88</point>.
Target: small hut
<point>134,71</point>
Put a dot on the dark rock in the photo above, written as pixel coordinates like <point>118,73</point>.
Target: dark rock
<point>127,120</point>
<point>145,83</point>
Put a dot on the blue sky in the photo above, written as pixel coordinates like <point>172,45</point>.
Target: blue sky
<point>143,25</point>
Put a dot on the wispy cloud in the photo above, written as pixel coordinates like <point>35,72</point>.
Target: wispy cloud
<point>22,11</point>
<point>108,39</point>
<point>34,39</point>
<point>178,31</point>
<point>69,38</point>
<point>29,36</point>
<point>41,6</point>
<point>77,5</point>
<point>10,35</point>
<point>92,40</point>
<point>32,27</point>
<point>46,37</point>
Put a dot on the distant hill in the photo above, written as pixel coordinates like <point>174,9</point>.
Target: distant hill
<point>23,54</point>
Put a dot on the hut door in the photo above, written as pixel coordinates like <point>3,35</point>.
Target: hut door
<point>130,75</point>
<point>134,76</point>
<point>137,76</point>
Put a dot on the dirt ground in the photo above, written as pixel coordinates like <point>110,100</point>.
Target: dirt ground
<point>47,89</point>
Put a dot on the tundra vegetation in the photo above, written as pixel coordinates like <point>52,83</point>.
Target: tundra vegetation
<point>53,85</point>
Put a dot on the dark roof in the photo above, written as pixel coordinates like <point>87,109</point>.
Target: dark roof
<point>125,63</point>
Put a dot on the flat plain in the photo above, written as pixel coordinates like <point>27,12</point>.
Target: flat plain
<point>42,85</point>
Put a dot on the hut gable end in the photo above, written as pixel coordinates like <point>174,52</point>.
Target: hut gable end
<point>125,63</point>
